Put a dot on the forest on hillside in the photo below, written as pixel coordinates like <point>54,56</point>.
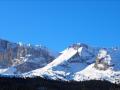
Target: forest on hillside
<point>38,83</point>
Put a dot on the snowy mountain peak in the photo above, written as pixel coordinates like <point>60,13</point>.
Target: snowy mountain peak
<point>69,60</point>
<point>20,43</point>
<point>23,57</point>
<point>103,60</point>
<point>78,62</point>
<point>78,45</point>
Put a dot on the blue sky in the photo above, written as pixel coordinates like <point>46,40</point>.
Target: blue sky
<point>57,24</point>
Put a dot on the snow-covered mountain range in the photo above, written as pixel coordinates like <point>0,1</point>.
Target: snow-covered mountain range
<point>78,62</point>
<point>19,58</point>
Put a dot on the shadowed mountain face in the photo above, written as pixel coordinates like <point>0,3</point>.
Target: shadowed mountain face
<point>24,57</point>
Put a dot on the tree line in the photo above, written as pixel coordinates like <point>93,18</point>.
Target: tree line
<point>38,83</point>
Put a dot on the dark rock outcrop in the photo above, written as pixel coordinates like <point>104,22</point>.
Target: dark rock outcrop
<point>12,54</point>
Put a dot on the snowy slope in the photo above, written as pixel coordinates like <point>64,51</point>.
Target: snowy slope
<point>91,73</point>
<point>115,55</point>
<point>62,58</point>
<point>72,60</point>
<point>68,53</point>
<point>73,64</point>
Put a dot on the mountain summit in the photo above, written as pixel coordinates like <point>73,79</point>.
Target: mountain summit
<point>81,62</point>
<point>19,58</point>
<point>78,62</point>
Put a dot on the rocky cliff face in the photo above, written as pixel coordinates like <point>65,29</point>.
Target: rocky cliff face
<point>12,54</point>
